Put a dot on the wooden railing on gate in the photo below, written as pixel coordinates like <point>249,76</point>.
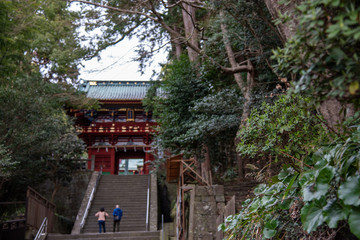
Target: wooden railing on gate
<point>37,208</point>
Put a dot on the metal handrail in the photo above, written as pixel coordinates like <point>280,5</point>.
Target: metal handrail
<point>148,204</point>
<point>82,224</point>
<point>42,230</point>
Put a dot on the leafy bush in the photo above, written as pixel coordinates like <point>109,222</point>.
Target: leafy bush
<point>326,193</point>
<point>324,52</point>
<point>288,127</point>
<point>318,195</point>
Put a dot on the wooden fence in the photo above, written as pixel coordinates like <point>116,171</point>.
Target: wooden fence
<point>14,229</point>
<point>37,208</point>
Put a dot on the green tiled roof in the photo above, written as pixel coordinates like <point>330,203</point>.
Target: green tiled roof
<point>116,90</point>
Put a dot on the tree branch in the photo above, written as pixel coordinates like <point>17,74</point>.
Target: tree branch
<point>125,11</point>
<point>158,19</point>
<point>118,40</point>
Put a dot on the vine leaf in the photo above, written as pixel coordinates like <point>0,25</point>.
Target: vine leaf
<point>349,191</point>
<point>326,175</point>
<point>312,215</point>
<point>333,213</point>
<point>315,191</point>
<point>354,221</point>
<point>270,229</point>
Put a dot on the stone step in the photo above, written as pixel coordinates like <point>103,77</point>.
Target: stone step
<point>111,196</point>
<point>133,228</point>
<point>139,235</point>
<point>242,191</point>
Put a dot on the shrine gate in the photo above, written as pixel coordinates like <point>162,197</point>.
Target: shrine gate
<point>118,135</point>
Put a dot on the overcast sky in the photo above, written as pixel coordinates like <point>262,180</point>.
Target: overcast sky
<point>116,64</point>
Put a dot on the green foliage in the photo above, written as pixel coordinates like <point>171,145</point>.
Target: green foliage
<point>268,211</point>
<point>181,89</point>
<point>36,132</point>
<point>251,35</point>
<point>194,111</point>
<point>38,36</point>
<point>287,127</point>
<point>218,112</point>
<point>327,192</point>
<point>6,165</point>
<point>322,189</point>
<point>208,114</point>
<point>324,50</point>
<point>332,188</point>
<point>39,57</point>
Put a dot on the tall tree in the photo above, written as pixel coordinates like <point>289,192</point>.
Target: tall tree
<point>39,56</point>
<point>234,37</point>
<point>39,35</point>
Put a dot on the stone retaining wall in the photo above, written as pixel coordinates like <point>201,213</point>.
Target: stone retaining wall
<point>207,204</point>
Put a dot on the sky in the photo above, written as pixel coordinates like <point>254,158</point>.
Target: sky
<point>116,64</point>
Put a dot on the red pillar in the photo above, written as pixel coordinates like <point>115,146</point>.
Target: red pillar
<point>112,159</point>
<point>89,159</point>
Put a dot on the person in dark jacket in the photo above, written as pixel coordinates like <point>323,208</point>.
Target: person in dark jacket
<point>117,213</point>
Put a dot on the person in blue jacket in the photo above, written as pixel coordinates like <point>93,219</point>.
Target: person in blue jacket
<point>117,213</point>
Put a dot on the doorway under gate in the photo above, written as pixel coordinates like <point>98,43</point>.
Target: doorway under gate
<point>131,166</point>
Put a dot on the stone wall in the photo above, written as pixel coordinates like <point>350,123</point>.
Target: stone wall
<point>153,223</point>
<point>67,200</point>
<point>76,228</point>
<point>207,204</point>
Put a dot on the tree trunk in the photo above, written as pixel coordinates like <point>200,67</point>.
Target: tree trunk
<point>56,189</point>
<point>177,43</point>
<point>245,88</point>
<point>241,170</point>
<point>286,30</point>
<point>191,33</point>
<point>206,165</point>
<point>331,110</point>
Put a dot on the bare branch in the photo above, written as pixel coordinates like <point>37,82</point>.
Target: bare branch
<point>124,11</point>
<point>118,40</point>
<point>176,35</point>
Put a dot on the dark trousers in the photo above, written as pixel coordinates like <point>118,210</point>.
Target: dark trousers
<point>116,226</point>
<point>102,223</point>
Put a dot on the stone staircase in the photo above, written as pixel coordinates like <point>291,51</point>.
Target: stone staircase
<point>109,235</point>
<point>130,192</point>
<point>242,191</point>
